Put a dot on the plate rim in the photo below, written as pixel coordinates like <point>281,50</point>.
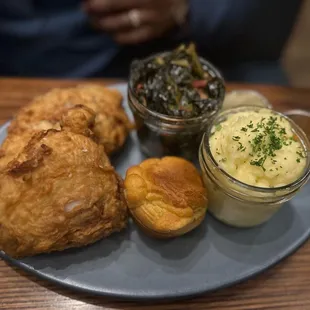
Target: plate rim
<point>132,296</point>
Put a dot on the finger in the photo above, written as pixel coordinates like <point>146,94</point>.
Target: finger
<point>135,36</point>
<point>94,23</point>
<point>119,22</point>
<point>111,6</point>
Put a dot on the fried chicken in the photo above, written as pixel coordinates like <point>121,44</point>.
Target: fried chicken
<point>111,125</point>
<point>59,191</point>
<point>78,119</point>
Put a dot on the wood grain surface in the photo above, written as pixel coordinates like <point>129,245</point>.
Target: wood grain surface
<point>284,287</point>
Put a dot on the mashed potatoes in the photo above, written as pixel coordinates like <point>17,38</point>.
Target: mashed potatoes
<point>258,148</point>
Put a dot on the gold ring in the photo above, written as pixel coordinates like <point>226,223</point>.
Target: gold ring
<point>134,18</point>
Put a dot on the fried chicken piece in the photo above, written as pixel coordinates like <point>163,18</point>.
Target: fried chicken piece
<point>59,192</point>
<point>111,125</point>
<point>78,119</point>
<point>12,145</point>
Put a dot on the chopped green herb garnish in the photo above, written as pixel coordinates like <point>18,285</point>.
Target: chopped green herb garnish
<point>270,137</point>
<point>241,147</point>
<point>301,154</point>
<point>236,138</point>
<point>282,131</point>
<point>298,160</point>
<point>260,163</point>
<point>218,127</point>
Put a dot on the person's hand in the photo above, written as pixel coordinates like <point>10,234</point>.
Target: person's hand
<point>136,21</point>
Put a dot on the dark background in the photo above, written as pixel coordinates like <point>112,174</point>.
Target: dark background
<point>296,57</point>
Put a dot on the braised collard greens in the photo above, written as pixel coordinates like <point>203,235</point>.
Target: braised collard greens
<point>177,84</point>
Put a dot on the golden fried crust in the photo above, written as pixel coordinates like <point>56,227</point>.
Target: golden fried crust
<point>12,146</point>
<point>111,124</point>
<point>59,192</point>
<point>166,196</point>
<point>78,119</point>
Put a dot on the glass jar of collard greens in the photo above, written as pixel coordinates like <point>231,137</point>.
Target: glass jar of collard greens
<point>173,96</point>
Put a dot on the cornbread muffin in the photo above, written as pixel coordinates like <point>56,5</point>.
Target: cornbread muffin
<point>166,197</point>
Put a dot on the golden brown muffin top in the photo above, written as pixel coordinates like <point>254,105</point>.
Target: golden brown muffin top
<point>165,194</point>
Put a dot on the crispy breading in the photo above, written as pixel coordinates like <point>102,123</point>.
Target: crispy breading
<point>111,124</point>
<point>12,146</point>
<point>59,190</point>
<point>78,119</point>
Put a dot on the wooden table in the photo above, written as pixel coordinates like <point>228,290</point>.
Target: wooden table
<point>283,287</point>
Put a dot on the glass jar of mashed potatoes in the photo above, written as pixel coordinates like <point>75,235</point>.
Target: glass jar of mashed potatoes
<point>253,160</point>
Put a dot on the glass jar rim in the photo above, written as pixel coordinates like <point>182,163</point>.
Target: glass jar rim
<point>167,118</point>
<point>302,136</point>
<point>264,99</point>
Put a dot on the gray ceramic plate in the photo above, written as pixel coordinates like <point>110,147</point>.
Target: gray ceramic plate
<point>131,265</point>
